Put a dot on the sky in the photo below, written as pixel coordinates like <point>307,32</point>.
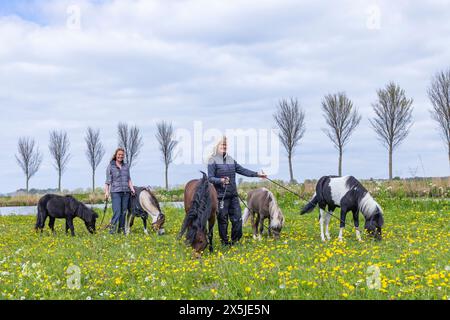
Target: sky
<point>67,65</point>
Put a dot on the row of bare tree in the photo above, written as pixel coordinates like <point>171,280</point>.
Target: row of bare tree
<point>391,123</point>
<point>29,157</point>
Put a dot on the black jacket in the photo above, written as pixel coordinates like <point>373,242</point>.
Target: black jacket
<point>220,167</point>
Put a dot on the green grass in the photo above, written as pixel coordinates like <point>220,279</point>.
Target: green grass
<point>413,259</point>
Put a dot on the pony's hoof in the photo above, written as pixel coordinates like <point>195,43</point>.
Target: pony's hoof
<point>255,237</point>
<point>161,232</point>
<point>341,239</point>
<point>146,232</point>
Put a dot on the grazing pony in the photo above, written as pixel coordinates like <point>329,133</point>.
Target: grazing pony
<point>350,195</point>
<point>144,204</point>
<point>261,205</point>
<point>64,207</point>
<point>200,203</point>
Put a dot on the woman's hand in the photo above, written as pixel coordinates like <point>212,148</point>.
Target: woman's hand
<point>106,196</point>
<point>225,180</point>
<point>262,175</point>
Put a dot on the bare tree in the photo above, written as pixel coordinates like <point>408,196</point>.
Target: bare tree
<point>439,94</point>
<point>342,119</point>
<point>130,139</point>
<point>290,119</point>
<point>167,144</point>
<point>94,151</point>
<point>59,150</point>
<point>393,118</point>
<point>29,158</point>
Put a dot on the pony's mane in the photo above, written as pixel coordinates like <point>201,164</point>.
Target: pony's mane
<point>368,206</point>
<point>274,210</point>
<point>198,214</point>
<point>153,200</point>
<point>82,210</point>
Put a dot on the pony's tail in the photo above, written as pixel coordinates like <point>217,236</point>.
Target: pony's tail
<point>310,205</point>
<point>41,212</point>
<point>246,216</point>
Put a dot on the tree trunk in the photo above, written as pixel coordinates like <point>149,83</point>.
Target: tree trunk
<point>340,161</point>
<point>59,181</point>
<point>291,173</point>
<point>28,179</point>
<point>390,163</point>
<point>167,177</point>
<point>449,154</point>
<point>93,181</point>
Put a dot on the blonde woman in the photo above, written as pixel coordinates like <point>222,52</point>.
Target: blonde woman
<point>222,169</point>
<point>118,186</point>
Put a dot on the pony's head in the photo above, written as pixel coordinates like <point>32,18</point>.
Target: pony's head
<point>158,225</point>
<point>276,216</point>
<point>88,215</point>
<point>373,215</point>
<point>90,218</point>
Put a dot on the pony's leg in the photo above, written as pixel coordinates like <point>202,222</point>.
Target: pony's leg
<point>327,223</point>
<point>342,225</point>
<point>71,227</point>
<point>356,223</point>
<point>43,223</point>
<point>67,227</point>
<point>51,224</point>
<point>127,223</point>
<point>255,224</point>
<point>269,232</point>
<point>321,221</point>
<point>144,220</point>
<point>261,228</point>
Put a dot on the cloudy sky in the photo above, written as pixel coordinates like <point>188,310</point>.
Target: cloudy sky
<point>73,64</point>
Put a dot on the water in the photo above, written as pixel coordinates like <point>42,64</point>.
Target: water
<point>28,211</point>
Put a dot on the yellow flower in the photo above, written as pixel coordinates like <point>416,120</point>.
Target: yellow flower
<point>248,289</point>
<point>118,281</point>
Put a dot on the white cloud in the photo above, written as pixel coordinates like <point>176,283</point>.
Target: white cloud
<point>224,62</point>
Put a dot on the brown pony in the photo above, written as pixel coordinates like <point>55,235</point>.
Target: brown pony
<point>200,203</point>
<point>262,204</point>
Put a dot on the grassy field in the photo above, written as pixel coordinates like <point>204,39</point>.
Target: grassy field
<point>413,260</point>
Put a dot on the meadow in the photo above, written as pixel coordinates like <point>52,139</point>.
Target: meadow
<point>411,262</point>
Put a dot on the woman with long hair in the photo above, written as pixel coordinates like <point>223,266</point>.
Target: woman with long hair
<point>118,187</point>
<point>222,169</point>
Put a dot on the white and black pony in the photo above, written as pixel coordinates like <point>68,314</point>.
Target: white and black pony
<point>350,195</point>
<point>145,205</point>
<point>64,207</point>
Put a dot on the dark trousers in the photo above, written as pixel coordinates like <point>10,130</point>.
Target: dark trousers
<point>120,202</point>
<point>232,211</point>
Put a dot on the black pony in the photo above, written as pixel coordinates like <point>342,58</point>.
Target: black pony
<point>64,207</point>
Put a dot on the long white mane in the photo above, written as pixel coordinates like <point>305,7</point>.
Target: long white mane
<point>145,199</point>
<point>276,216</point>
<point>368,206</point>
